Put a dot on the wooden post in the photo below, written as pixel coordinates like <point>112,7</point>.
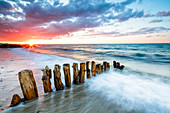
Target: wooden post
<point>98,68</point>
<point>118,65</point>
<point>122,67</point>
<point>105,65</point>
<point>93,68</point>
<point>46,81</point>
<point>102,68</point>
<point>75,73</point>
<point>28,85</point>
<point>108,65</point>
<point>114,64</point>
<point>16,99</point>
<point>48,71</point>
<point>57,78</point>
<point>88,70</point>
<point>82,73</point>
<point>66,69</point>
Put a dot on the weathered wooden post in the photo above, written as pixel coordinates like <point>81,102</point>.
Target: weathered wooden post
<point>93,68</point>
<point>114,64</point>
<point>102,68</point>
<point>66,69</point>
<point>88,70</point>
<point>122,67</point>
<point>28,85</point>
<point>118,65</point>
<point>108,65</point>
<point>82,73</point>
<point>98,68</point>
<point>46,81</point>
<point>57,78</point>
<point>105,65</point>
<point>75,73</point>
<point>16,99</point>
<point>48,71</point>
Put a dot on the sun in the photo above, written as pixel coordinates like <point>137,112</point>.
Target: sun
<point>31,43</point>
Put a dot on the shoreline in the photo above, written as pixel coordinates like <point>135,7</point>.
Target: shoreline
<point>121,89</point>
<point>19,60</point>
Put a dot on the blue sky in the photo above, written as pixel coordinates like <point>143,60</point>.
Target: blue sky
<point>85,21</point>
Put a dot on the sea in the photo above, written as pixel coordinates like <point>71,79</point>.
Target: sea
<point>142,87</point>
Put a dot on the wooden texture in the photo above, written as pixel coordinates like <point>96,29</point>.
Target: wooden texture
<point>108,65</point>
<point>46,81</point>
<point>57,78</point>
<point>118,65</point>
<point>75,73</point>
<point>105,65</point>
<point>102,68</point>
<point>93,68</point>
<point>114,64</point>
<point>88,69</point>
<point>66,69</point>
<point>98,69</point>
<point>48,71</point>
<point>82,73</point>
<point>28,85</point>
<point>121,67</point>
<point>16,99</point>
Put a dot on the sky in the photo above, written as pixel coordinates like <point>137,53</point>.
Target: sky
<point>84,21</point>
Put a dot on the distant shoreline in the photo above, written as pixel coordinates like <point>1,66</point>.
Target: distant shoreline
<point>13,45</point>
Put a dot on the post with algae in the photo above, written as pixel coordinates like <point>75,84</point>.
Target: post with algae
<point>102,68</point>
<point>87,69</point>
<point>46,81</point>
<point>75,73</point>
<point>98,69</point>
<point>66,69</point>
<point>82,73</point>
<point>105,65</point>
<point>48,72</point>
<point>28,84</point>
<point>57,78</point>
<point>93,68</point>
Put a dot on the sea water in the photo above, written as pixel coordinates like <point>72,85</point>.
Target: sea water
<point>144,84</point>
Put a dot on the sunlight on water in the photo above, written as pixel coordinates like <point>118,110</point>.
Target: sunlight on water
<point>133,92</point>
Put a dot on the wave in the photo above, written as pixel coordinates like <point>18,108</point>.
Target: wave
<point>133,92</point>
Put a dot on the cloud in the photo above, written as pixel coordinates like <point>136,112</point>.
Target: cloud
<point>51,19</point>
<point>163,13</point>
<point>5,5</point>
<point>148,30</point>
<point>126,15</point>
<point>156,21</point>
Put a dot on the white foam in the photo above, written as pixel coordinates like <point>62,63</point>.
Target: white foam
<point>133,92</point>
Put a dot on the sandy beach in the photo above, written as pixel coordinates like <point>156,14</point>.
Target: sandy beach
<point>76,99</point>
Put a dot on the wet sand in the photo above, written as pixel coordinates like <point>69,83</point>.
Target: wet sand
<point>74,100</point>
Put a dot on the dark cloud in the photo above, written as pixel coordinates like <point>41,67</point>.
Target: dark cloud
<point>126,15</point>
<point>156,21</point>
<point>163,13</point>
<point>5,5</point>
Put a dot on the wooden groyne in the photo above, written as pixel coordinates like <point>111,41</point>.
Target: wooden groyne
<point>28,84</point>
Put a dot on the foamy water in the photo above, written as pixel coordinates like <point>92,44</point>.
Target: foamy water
<point>133,92</point>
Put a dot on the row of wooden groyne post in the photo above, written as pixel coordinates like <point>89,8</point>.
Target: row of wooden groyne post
<point>28,84</point>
